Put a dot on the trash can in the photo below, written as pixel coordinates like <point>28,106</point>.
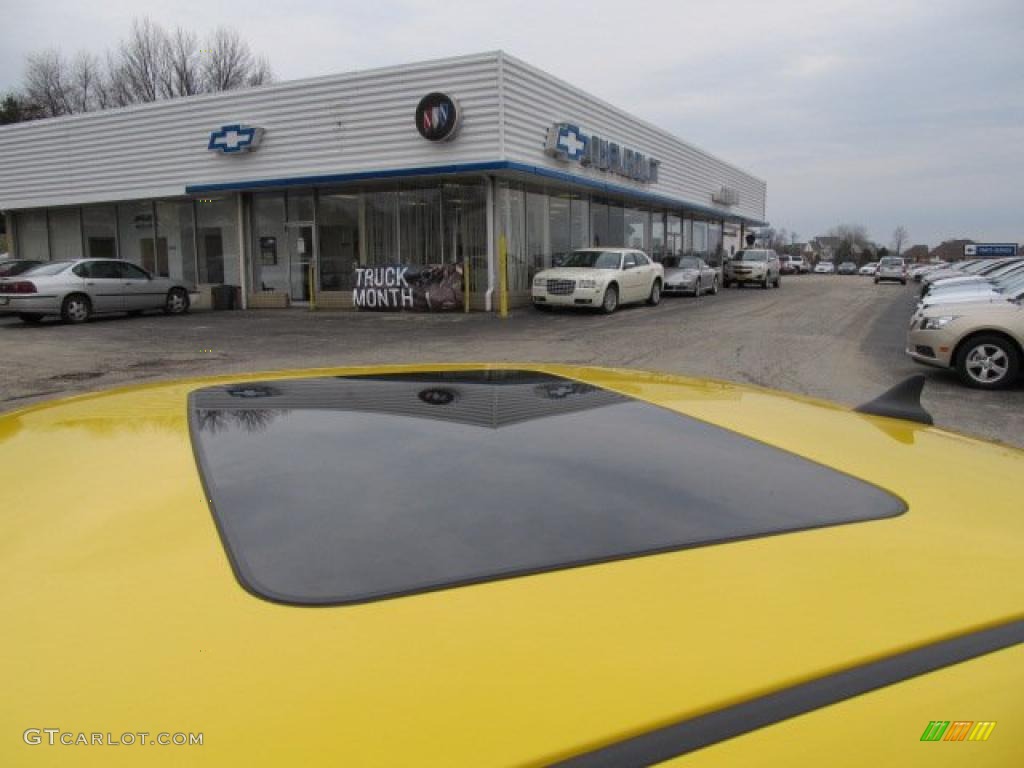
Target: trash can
<point>223,296</point>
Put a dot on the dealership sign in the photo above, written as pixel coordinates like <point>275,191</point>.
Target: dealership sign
<point>982,250</point>
<point>568,143</point>
<point>432,288</point>
<point>437,117</point>
<point>234,139</point>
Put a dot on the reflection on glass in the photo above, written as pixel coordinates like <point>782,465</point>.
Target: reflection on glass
<point>350,489</point>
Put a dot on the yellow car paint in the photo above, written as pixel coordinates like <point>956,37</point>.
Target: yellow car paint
<point>119,611</point>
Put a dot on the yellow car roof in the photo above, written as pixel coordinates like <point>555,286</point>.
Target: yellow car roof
<point>123,613</point>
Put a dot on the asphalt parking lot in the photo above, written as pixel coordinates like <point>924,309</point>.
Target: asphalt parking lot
<point>837,338</point>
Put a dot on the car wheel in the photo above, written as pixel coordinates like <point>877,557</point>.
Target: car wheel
<point>778,281</point>
<point>29,317</point>
<point>696,289</point>
<point>655,298</point>
<point>988,362</point>
<point>177,302</point>
<point>542,307</point>
<point>767,283</point>
<point>75,309</point>
<point>714,286</point>
<point>876,281</point>
<point>610,302</point>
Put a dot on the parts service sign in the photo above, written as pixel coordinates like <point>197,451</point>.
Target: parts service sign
<point>431,288</point>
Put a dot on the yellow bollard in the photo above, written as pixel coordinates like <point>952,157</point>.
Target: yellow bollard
<point>502,277</point>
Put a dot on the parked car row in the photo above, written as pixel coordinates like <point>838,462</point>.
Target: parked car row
<point>971,318</point>
<point>606,278</point>
<point>76,289</point>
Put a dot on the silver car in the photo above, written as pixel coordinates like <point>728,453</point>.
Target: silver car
<point>689,274</point>
<point>76,290</point>
<point>891,268</point>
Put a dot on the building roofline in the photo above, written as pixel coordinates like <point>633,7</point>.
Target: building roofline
<point>463,168</point>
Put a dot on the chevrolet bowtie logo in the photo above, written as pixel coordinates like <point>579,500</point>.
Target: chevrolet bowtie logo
<point>566,141</point>
<point>235,138</point>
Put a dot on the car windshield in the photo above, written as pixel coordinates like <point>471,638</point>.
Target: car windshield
<point>1010,275</point>
<point>891,262</point>
<point>1012,287</point>
<point>752,256</point>
<point>53,268</point>
<point>593,259</point>
<point>1006,269</point>
<point>977,266</point>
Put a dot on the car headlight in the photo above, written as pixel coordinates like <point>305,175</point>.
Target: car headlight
<point>538,282</point>
<point>587,283</point>
<point>937,323</point>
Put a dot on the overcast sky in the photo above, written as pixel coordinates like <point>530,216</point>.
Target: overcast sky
<point>882,113</point>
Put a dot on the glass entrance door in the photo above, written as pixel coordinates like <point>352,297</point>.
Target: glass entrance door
<point>302,258</point>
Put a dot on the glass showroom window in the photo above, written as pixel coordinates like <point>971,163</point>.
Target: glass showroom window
<point>599,223</point>
<point>715,243</point>
<point>65,234</point>
<point>580,210</point>
<point>270,256</point>
<point>33,237</point>
<point>636,223</point>
<point>176,240</point>
<point>135,221</point>
<point>512,224</point>
<point>217,238</point>
<point>674,236</point>
<point>700,239</point>
<point>616,226</point>
<point>338,222</point>
<point>419,236</point>
<point>381,228</point>
<point>99,230</point>
<point>465,230</point>
<point>558,212</point>
<point>658,236</point>
<point>537,232</point>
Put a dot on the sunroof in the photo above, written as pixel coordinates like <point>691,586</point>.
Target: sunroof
<point>349,489</point>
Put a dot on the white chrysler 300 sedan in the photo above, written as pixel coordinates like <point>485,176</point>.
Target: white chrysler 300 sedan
<point>601,278</point>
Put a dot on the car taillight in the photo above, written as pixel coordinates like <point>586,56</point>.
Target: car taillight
<point>22,286</point>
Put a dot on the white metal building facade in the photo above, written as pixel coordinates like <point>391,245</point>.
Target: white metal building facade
<point>341,176</point>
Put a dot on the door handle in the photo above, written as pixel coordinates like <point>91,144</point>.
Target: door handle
<point>90,284</point>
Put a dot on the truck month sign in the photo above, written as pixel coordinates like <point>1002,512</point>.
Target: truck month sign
<point>422,288</point>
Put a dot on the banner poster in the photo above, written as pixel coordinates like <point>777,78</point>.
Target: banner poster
<point>410,288</point>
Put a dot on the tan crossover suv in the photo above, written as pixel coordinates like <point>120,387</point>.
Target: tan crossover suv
<point>983,341</point>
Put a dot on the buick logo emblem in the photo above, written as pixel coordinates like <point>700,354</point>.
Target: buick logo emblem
<point>437,117</point>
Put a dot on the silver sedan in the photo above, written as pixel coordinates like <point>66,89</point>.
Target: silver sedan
<point>689,274</point>
<point>76,290</point>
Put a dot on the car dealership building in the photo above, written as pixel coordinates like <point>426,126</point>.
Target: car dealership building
<point>481,167</point>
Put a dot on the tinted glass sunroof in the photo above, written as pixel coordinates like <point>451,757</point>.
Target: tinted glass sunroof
<point>347,489</point>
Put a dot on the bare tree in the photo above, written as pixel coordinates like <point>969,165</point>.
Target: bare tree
<point>141,60</point>
<point>899,238</point>
<point>180,72</point>
<point>86,83</point>
<point>115,90</point>
<point>47,83</point>
<point>260,73</point>
<point>227,61</point>
<point>150,64</point>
